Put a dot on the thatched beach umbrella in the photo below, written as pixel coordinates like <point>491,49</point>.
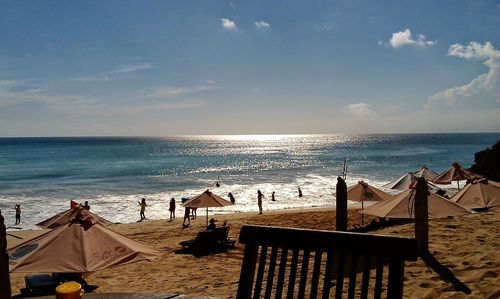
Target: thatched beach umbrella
<point>207,200</point>
<point>67,216</point>
<point>364,192</point>
<point>79,246</point>
<point>402,206</point>
<point>479,194</point>
<point>426,173</point>
<point>402,183</point>
<point>456,173</point>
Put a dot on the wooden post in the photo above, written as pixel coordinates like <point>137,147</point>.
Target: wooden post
<point>422,216</point>
<point>4,262</point>
<point>341,208</point>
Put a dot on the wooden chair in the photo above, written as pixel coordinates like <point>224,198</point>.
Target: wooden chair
<point>209,241</point>
<point>316,262</point>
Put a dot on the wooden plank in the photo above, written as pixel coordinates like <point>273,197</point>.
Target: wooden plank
<point>247,272</point>
<point>352,276</point>
<point>303,273</point>
<point>5,292</point>
<point>378,277</point>
<point>366,276</point>
<point>293,273</point>
<point>281,273</point>
<point>396,274</point>
<point>340,276</point>
<point>270,273</point>
<point>260,271</point>
<point>315,274</point>
<point>327,282</point>
<point>341,205</point>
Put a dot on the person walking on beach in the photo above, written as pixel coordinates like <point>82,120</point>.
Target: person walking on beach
<point>143,208</point>
<point>300,192</point>
<point>272,197</point>
<point>18,214</point>
<point>259,201</point>
<point>231,197</point>
<point>171,209</point>
<point>186,217</point>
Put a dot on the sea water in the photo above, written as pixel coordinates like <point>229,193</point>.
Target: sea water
<point>114,173</point>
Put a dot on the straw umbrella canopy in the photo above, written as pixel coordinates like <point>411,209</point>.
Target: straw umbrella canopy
<point>426,173</point>
<point>364,192</point>
<point>67,216</point>
<point>456,173</point>
<point>402,206</point>
<point>79,246</point>
<point>207,200</point>
<point>479,194</point>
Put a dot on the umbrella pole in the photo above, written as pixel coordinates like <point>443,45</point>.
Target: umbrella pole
<point>207,217</point>
<point>458,185</point>
<point>362,216</point>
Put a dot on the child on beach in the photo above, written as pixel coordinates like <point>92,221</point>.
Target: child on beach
<point>18,214</point>
<point>143,205</point>
<point>259,201</point>
<point>172,209</point>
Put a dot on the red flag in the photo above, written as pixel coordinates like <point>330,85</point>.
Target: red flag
<point>74,204</point>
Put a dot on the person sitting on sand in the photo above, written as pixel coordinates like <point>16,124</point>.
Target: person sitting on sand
<point>211,225</point>
<point>300,192</point>
<point>18,214</point>
<point>86,206</point>
<point>143,208</point>
<point>186,217</point>
<point>259,201</point>
<point>231,197</point>
<point>171,209</point>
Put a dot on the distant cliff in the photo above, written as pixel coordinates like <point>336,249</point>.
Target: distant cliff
<point>487,162</point>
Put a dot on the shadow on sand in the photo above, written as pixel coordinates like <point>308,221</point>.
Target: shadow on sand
<point>444,272</point>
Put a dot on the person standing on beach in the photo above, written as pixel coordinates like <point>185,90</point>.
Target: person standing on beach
<point>259,201</point>
<point>171,209</point>
<point>143,208</point>
<point>300,192</point>
<point>272,197</point>
<point>186,217</point>
<point>18,214</point>
<point>231,197</point>
<point>86,206</point>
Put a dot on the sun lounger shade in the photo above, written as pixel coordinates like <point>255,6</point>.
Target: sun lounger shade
<point>77,247</point>
<point>479,194</point>
<point>65,217</point>
<point>426,173</point>
<point>402,206</point>
<point>364,192</point>
<point>456,173</point>
<point>207,200</point>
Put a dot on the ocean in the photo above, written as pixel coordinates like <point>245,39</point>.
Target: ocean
<point>113,173</point>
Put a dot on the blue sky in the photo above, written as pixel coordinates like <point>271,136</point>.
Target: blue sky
<point>156,68</point>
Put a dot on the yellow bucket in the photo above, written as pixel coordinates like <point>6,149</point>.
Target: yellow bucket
<point>69,290</point>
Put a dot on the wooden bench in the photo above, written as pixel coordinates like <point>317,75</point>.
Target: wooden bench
<point>321,263</point>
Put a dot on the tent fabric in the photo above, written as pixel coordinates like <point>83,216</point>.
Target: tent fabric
<point>402,206</point>
<point>365,192</point>
<point>207,200</point>
<point>479,194</point>
<point>65,217</point>
<point>426,173</point>
<point>456,173</point>
<point>402,183</point>
<point>77,247</point>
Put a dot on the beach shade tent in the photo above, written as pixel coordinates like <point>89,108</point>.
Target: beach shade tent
<point>425,173</point>
<point>402,183</point>
<point>77,247</point>
<point>456,173</point>
<point>479,194</point>
<point>67,216</point>
<point>402,206</point>
<point>365,192</point>
<point>207,200</point>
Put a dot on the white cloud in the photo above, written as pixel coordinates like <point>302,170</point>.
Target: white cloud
<point>488,82</point>
<point>261,25</point>
<point>129,68</point>
<point>403,38</point>
<point>170,92</point>
<point>361,110</point>
<point>119,72</point>
<point>228,24</point>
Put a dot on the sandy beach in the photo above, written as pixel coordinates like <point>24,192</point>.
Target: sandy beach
<point>467,246</point>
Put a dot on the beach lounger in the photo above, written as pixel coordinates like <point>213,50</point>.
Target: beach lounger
<point>209,241</point>
<point>313,263</point>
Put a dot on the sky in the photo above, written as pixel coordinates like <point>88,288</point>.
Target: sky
<point>160,68</point>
